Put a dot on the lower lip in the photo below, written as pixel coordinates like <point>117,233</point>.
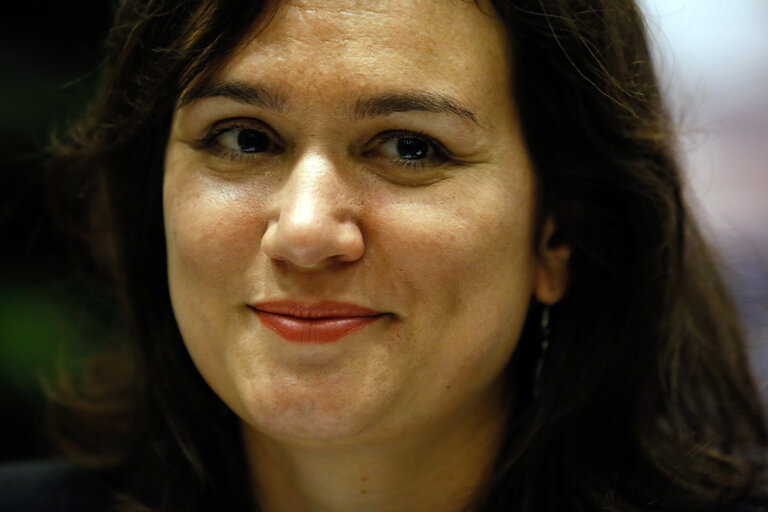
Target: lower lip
<point>320,330</point>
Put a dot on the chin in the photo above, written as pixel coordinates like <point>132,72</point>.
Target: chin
<point>314,405</point>
<point>318,417</point>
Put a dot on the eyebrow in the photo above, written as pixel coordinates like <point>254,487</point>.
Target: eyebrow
<point>405,102</point>
<point>251,94</point>
<point>375,106</point>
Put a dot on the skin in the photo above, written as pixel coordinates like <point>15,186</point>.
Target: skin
<point>406,413</point>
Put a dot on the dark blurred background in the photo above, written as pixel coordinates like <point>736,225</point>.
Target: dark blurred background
<point>712,59</point>
<point>49,54</point>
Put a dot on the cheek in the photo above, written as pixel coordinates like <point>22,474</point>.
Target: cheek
<point>212,238</point>
<point>467,265</point>
<point>483,233</point>
<point>210,234</point>
<point>467,259</point>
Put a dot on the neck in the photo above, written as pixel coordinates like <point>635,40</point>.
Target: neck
<point>439,468</point>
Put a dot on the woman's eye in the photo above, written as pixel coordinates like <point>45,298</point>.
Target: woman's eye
<point>235,141</point>
<point>244,140</point>
<point>411,149</point>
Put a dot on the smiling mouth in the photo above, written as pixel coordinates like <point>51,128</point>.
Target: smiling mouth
<point>313,322</point>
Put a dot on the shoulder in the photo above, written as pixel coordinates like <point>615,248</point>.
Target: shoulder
<point>50,486</point>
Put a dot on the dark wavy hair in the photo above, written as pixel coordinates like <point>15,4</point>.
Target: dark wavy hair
<point>649,402</point>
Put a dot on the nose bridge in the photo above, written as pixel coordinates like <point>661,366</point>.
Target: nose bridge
<point>313,222</point>
<point>311,194</point>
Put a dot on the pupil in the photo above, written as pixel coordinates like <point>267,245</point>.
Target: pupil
<point>412,149</point>
<point>252,141</point>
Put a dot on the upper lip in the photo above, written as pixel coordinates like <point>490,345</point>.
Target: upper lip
<point>313,310</point>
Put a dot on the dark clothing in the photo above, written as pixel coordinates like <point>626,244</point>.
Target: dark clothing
<point>50,486</point>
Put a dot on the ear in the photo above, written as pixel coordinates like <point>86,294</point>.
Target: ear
<point>552,269</point>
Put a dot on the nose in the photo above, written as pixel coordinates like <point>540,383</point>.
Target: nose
<point>313,224</point>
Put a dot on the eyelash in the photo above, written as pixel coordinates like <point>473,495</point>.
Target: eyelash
<point>439,153</point>
<point>209,141</point>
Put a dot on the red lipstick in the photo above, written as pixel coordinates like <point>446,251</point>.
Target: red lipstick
<point>313,322</point>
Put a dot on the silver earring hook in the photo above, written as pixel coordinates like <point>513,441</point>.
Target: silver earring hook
<point>539,371</point>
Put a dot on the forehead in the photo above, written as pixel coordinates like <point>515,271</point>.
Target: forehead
<point>314,45</point>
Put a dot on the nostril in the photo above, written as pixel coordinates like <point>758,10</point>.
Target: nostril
<point>313,244</point>
<point>351,239</point>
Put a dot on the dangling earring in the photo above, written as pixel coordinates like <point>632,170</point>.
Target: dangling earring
<point>539,373</point>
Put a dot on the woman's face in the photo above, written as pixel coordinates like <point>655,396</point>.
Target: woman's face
<point>349,215</point>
